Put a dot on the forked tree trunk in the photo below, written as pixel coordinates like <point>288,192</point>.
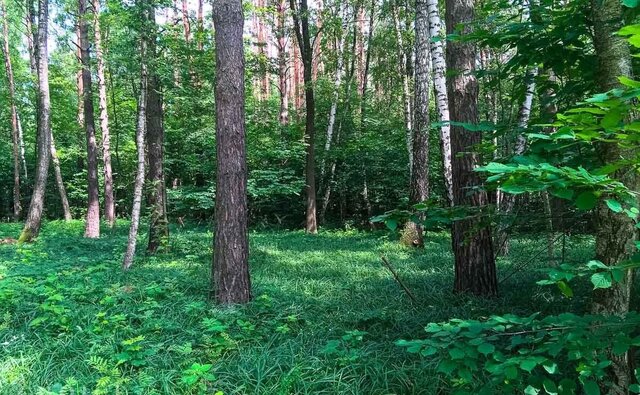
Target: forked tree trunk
<point>92,224</point>
<point>34,216</point>
<point>475,269</point>
<point>159,225</point>
<point>283,86</point>
<point>231,280</point>
<point>419,185</point>
<point>141,131</point>
<point>440,92</point>
<point>301,27</point>
<point>615,232</point>
<point>17,205</point>
<point>109,201</point>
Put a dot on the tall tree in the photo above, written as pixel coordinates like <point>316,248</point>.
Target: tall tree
<point>419,185</point>
<point>440,92</point>
<point>283,68</point>
<point>109,201</point>
<point>15,135</point>
<point>92,224</point>
<point>475,268</point>
<point>615,232</point>
<point>231,280</point>
<point>406,89</point>
<point>159,225</point>
<point>34,216</point>
<point>301,26</point>
<point>141,132</point>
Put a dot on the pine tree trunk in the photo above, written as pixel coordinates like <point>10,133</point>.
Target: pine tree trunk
<point>419,185</point>
<point>231,280</point>
<point>92,225</point>
<point>440,92</point>
<point>34,216</point>
<point>15,129</point>
<point>615,232</point>
<point>301,27</point>
<point>159,225</point>
<point>475,269</point>
<point>109,201</point>
<point>281,44</point>
<point>141,132</point>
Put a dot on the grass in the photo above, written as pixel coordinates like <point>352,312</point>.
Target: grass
<point>324,319</point>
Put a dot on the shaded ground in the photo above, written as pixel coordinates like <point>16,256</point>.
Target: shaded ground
<point>71,320</point>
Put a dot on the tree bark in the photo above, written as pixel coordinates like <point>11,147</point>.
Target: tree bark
<point>159,225</point>
<point>109,201</point>
<point>406,90</point>
<point>475,269</point>
<point>301,27</point>
<point>62,190</point>
<point>34,216</point>
<point>231,280</point>
<point>141,132</point>
<point>419,185</point>
<point>283,68</point>
<point>15,135</point>
<point>615,232</point>
<point>440,91</point>
<point>92,224</point>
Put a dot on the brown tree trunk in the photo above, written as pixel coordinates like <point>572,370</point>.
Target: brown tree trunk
<point>92,225</point>
<point>419,187</point>
<point>159,225</point>
<point>17,205</point>
<point>80,81</point>
<point>185,21</point>
<point>34,216</point>
<point>200,25</point>
<point>475,269</point>
<point>615,232</point>
<point>109,201</point>
<point>406,90</point>
<point>231,280</point>
<point>141,131</point>
<point>283,69</point>
<point>301,27</point>
<point>62,190</point>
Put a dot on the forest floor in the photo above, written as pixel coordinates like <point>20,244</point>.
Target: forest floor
<point>325,317</point>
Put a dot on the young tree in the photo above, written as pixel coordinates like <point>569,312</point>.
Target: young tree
<point>159,225</point>
<point>109,201</point>
<point>34,216</point>
<point>15,128</point>
<point>283,68</point>
<point>92,225</point>
<point>141,131</point>
<point>301,27</point>
<point>475,268</point>
<point>231,280</point>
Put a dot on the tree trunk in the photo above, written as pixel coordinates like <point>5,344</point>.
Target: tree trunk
<point>159,225</point>
<point>615,232</point>
<point>419,186</point>
<point>141,131</point>
<point>231,280</point>
<point>109,201</point>
<point>34,216</point>
<point>200,25</point>
<point>475,269</point>
<point>185,21</point>
<point>440,92</point>
<point>301,27</point>
<point>281,44</point>
<point>92,225</point>
<point>17,205</point>
<point>406,90</point>
<point>79,80</point>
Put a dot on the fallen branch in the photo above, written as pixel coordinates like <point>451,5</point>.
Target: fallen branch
<point>395,276</point>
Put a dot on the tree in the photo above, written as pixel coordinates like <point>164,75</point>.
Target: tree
<point>15,128</point>
<point>109,201</point>
<point>475,269</point>
<point>231,280</point>
<point>403,60</point>
<point>301,27</point>
<point>34,215</point>
<point>283,69</point>
<point>92,224</point>
<point>141,131</point>
<point>159,225</point>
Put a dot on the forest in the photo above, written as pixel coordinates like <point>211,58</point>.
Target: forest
<point>319,197</point>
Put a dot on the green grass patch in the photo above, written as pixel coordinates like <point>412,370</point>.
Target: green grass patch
<point>324,319</point>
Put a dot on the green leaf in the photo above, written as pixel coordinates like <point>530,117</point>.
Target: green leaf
<point>530,390</point>
<point>528,364</point>
<point>590,387</point>
<point>550,367</point>
<point>631,3</point>
<point>550,387</point>
<point>486,348</point>
<point>392,224</point>
<point>586,200</point>
<point>614,205</point>
<point>565,289</point>
<point>601,280</point>
<point>511,372</point>
<point>635,388</point>
<point>456,353</point>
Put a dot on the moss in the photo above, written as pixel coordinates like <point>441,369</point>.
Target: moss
<point>26,236</point>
